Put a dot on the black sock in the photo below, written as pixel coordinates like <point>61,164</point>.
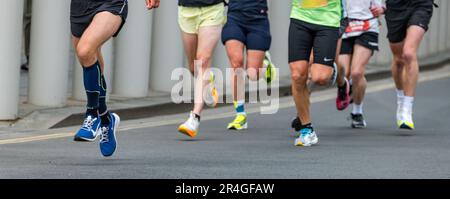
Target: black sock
<point>105,119</point>
<point>309,126</point>
<point>92,112</point>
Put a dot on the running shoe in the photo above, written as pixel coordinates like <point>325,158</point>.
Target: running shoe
<point>239,123</point>
<point>358,121</point>
<point>270,68</point>
<point>108,141</point>
<point>406,121</point>
<point>89,130</point>
<point>307,137</point>
<point>190,127</point>
<point>213,94</point>
<point>334,76</point>
<point>343,96</point>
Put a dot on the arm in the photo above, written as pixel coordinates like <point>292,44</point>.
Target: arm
<point>377,8</point>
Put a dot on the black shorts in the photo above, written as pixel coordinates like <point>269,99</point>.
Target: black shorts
<point>255,34</point>
<point>82,12</point>
<point>303,37</point>
<point>398,21</point>
<point>368,40</point>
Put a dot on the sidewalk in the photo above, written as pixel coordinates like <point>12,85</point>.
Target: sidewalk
<point>157,103</point>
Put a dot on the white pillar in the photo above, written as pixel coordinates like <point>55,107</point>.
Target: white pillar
<point>132,55</point>
<point>11,13</point>
<point>78,92</point>
<point>167,46</point>
<point>279,14</point>
<point>49,56</point>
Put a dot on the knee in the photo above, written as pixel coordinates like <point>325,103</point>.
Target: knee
<point>299,77</point>
<point>86,55</point>
<point>409,56</point>
<point>237,61</point>
<point>320,79</point>
<point>253,74</point>
<point>204,60</point>
<point>357,75</point>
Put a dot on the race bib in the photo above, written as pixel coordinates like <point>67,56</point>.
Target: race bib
<point>313,3</point>
<point>358,26</point>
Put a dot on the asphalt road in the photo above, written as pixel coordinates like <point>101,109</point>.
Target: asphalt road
<point>266,150</point>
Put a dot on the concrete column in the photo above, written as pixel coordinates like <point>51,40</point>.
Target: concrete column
<point>168,48</point>
<point>11,13</point>
<point>49,53</point>
<point>132,53</point>
<point>279,13</point>
<point>442,25</point>
<point>78,92</point>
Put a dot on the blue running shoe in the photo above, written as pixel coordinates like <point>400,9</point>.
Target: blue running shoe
<point>307,138</point>
<point>88,132</point>
<point>108,141</point>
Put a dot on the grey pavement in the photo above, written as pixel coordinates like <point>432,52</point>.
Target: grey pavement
<point>266,150</point>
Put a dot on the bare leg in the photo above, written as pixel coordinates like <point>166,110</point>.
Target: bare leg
<point>235,51</point>
<point>300,92</point>
<point>361,57</point>
<point>207,42</point>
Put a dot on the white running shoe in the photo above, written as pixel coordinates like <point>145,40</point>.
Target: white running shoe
<point>308,137</point>
<point>190,127</point>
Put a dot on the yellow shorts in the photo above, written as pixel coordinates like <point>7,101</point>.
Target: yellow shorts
<point>191,19</point>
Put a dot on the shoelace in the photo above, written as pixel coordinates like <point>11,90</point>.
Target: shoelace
<point>356,117</point>
<point>104,136</point>
<point>88,123</point>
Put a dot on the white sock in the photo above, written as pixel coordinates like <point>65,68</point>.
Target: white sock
<point>357,109</point>
<point>408,103</point>
<point>400,95</point>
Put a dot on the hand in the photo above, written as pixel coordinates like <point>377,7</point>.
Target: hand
<point>377,10</point>
<point>152,4</point>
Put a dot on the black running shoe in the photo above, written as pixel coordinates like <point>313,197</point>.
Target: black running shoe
<point>358,121</point>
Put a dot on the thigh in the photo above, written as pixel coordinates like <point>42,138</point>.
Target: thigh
<point>414,37</point>
<point>361,57</point>
<point>397,23</point>
<point>368,40</point>
<point>347,46</point>
<point>259,37</point>
<point>233,31</point>
<point>325,45</point>
<point>207,40</point>
<point>300,41</point>
<point>212,15</point>
<point>421,15</point>
<point>190,42</point>
<point>103,27</point>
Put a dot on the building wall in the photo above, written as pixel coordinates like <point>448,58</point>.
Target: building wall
<point>142,58</point>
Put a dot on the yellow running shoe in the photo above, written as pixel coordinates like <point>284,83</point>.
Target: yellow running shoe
<point>213,95</point>
<point>270,68</point>
<point>239,123</point>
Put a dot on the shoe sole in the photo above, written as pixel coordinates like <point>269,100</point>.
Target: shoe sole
<point>244,127</point>
<point>81,139</point>
<point>182,129</point>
